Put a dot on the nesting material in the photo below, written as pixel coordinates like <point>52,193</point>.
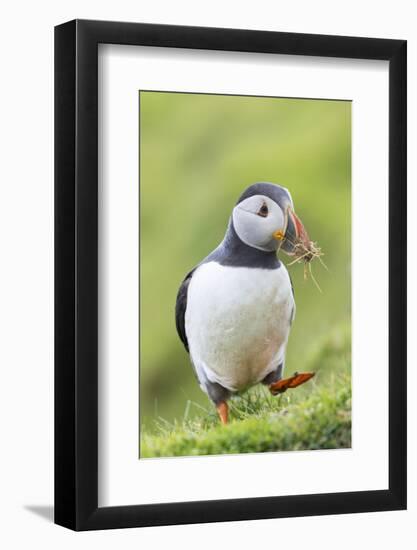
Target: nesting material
<point>305,252</point>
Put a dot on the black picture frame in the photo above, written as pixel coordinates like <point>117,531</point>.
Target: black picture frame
<point>76,273</point>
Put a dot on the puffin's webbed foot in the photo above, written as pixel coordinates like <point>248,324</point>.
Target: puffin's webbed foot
<point>223,410</point>
<point>292,382</point>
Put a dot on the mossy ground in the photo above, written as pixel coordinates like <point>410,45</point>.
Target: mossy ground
<point>314,416</point>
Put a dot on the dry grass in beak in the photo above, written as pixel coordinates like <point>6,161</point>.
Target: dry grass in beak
<point>307,252</point>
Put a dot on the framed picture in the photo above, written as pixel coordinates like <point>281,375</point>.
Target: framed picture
<point>230,247</point>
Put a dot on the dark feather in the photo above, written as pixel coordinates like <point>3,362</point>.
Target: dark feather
<point>180,307</point>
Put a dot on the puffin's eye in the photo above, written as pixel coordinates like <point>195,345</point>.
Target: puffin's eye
<point>263,211</point>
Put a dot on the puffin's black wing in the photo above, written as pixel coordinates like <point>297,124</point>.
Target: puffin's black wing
<point>180,307</point>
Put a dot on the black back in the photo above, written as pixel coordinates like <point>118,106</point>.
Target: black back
<point>180,307</point>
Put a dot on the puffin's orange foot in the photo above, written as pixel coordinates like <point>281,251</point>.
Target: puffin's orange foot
<point>223,410</point>
<point>292,382</point>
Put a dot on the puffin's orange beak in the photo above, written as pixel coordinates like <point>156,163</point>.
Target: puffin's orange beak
<point>295,234</point>
<point>300,231</point>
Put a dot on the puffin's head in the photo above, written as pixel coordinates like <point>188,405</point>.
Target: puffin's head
<point>264,218</point>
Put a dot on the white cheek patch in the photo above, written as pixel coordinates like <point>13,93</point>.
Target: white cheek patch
<point>253,204</point>
<point>254,230</point>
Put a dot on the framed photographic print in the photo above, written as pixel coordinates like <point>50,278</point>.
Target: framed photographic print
<point>230,254</point>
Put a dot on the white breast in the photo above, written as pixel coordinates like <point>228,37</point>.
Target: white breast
<point>237,322</point>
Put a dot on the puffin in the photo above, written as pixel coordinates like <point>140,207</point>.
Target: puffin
<point>234,310</point>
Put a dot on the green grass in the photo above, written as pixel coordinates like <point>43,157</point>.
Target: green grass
<point>314,416</point>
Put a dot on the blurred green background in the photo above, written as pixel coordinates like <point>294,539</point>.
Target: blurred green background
<point>197,154</point>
